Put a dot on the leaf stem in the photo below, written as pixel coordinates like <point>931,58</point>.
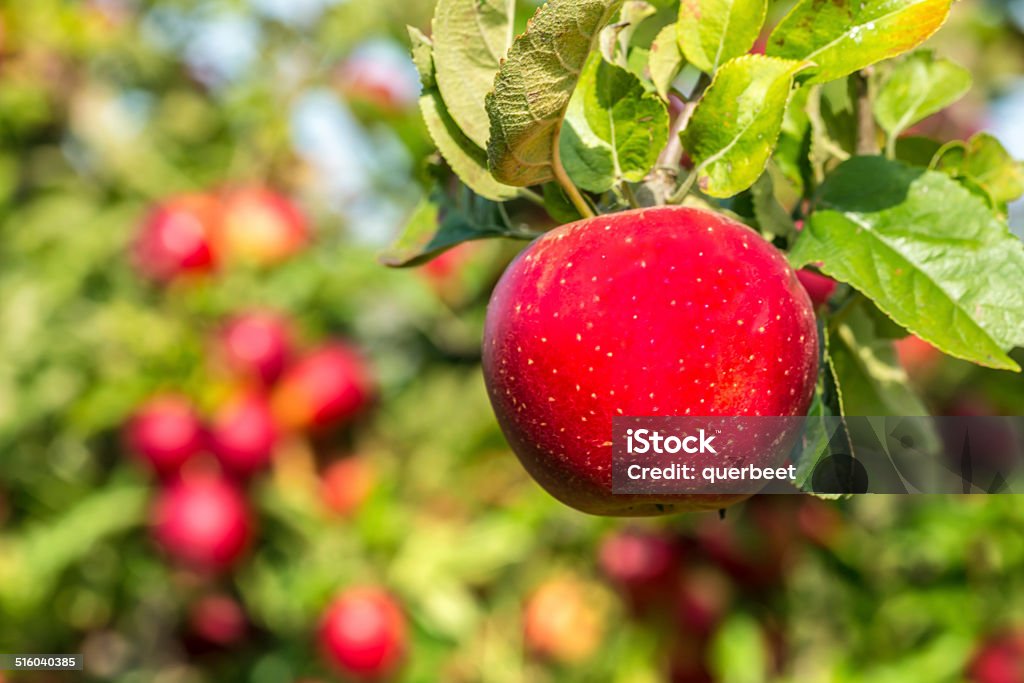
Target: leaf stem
<point>563,179</point>
<point>530,195</point>
<point>867,136</point>
<point>684,189</point>
<point>627,191</point>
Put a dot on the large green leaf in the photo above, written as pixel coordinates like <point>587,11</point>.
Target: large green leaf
<point>534,86</point>
<point>734,128</point>
<point>711,32</point>
<point>422,56</point>
<point>842,36</point>
<point>984,160</point>
<point>929,253</point>
<point>917,87</point>
<point>612,112</point>
<point>471,37</point>
<point>466,159</point>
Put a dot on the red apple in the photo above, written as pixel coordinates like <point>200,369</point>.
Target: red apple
<point>819,287</point>
<point>346,484</point>
<point>380,77</point>
<point>703,599</point>
<point>325,388</point>
<point>643,564</point>
<point>177,238</point>
<point>363,633</point>
<point>256,345</point>
<point>562,620</point>
<point>667,311</point>
<point>261,227</point>
<point>203,522</point>
<point>1000,659</point>
<point>920,359</point>
<point>243,434</point>
<point>164,433</point>
<point>218,620</point>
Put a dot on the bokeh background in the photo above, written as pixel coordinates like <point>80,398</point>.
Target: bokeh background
<point>109,108</point>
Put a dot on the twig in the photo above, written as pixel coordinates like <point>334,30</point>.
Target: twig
<point>867,137</point>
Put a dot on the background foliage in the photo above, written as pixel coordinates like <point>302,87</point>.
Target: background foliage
<point>109,105</point>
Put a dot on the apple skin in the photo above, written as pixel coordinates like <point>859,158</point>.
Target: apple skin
<point>177,238</point>
<point>819,287</point>
<point>243,434</point>
<point>261,227</point>
<point>363,633</point>
<point>256,345</point>
<point>325,388</point>
<point>667,311</point>
<point>1000,659</point>
<point>920,359</point>
<point>203,522</point>
<point>165,433</point>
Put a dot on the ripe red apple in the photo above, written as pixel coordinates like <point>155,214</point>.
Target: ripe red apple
<point>564,620</point>
<point>177,238</point>
<point>379,77</point>
<point>643,564</point>
<point>164,433</point>
<point>667,311</point>
<point>363,633</point>
<point>218,620</point>
<point>261,227</point>
<point>203,522</point>
<point>256,345</point>
<point>346,484</point>
<point>243,434</point>
<point>325,388</point>
<point>1000,659</point>
<point>703,598</point>
<point>819,287</point>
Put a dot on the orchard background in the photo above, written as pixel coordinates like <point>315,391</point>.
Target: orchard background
<point>110,109</point>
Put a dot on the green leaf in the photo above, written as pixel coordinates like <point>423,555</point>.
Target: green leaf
<point>665,61</point>
<point>931,255</point>
<point>471,37</point>
<point>624,119</point>
<point>917,87</point>
<point>736,124</point>
<point>869,375</point>
<point>432,230</point>
<point>984,160</point>
<point>615,40</point>
<point>711,32</point>
<point>466,159</point>
<point>916,150</point>
<point>534,86</point>
<point>422,56</point>
<point>739,652</point>
<point>842,36</point>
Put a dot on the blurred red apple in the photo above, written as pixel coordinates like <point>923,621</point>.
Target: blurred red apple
<point>919,358</point>
<point>346,484</point>
<point>363,633</point>
<point>999,659</point>
<point>243,434</point>
<point>380,78</point>
<point>203,522</point>
<point>261,227</point>
<point>563,621</point>
<point>256,345</point>
<point>218,620</point>
<point>643,564</point>
<point>177,237</point>
<point>703,600</point>
<point>164,433</point>
<point>325,388</point>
